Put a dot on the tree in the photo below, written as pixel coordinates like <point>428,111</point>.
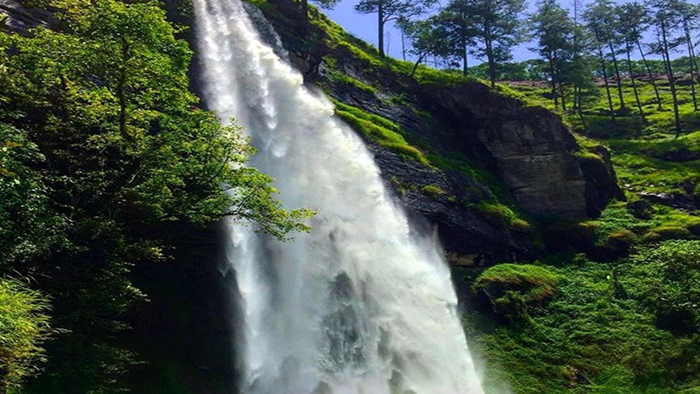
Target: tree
<point>630,21</point>
<point>391,10</point>
<point>428,37</point>
<point>456,19</point>
<point>602,22</point>
<point>690,18</point>
<point>121,150</point>
<point>579,73</point>
<point>599,31</point>
<point>666,22</point>
<point>496,27</point>
<point>634,21</point>
<point>554,31</point>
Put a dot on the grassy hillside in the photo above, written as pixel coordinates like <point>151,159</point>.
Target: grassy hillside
<point>623,316</point>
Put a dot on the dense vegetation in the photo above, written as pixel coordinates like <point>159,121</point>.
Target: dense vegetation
<point>624,316</point>
<point>103,149</point>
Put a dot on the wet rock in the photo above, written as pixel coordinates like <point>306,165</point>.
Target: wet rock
<point>641,209</point>
<point>671,200</point>
<point>21,18</point>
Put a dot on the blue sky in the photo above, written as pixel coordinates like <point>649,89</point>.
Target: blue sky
<point>365,27</point>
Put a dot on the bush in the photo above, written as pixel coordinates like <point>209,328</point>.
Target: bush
<point>24,327</point>
<point>663,233</point>
<point>511,288</point>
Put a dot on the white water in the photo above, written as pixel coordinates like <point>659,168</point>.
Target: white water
<point>361,305</point>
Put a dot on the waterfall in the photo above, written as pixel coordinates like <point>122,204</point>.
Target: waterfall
<point>362,304</point>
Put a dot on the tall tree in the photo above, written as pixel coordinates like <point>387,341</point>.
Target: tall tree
<point>599,32</point>
<point>496,26</point>
<point>428,37</point>
<point>630,17</point>
<point>666,23</point>
<point>580,71</point>
<point>392,10</point>
<point>456,19</point>
<point>601,18</point>
<point>554,32</point>
<point>689,19</point>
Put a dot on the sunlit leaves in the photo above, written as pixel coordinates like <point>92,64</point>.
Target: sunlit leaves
<point>24,326</point>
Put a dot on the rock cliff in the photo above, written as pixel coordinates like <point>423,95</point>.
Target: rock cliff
<point>484,145</point>
<point>21,17</point>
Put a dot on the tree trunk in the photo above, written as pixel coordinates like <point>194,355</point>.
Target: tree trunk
<point>634,82</point>
<point>563,96</point>
<point>672,83</point>
<point>651,75</point>
<point>605,80</point>
<point>380,18</point>
<point>491,61</point>
<point>579,107</point>
<point>617,76</point>
<point>465,65</point>
<point>415,65</point>
<point>691,55</point>
<point>553,77</point>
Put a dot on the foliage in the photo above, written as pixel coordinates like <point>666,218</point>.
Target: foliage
<point>496,28</point>
<point>533,283</point>
<point>391,10</point>
<point>24,327</point>
<point>595,335</point>
<point>102,145</point>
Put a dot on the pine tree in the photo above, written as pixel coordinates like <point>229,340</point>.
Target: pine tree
<point>392,10</point>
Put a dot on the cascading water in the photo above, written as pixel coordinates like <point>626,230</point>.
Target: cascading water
<point>361,305</point>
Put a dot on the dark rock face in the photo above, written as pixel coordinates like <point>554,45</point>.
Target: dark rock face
<point>672,200</point>
<point>20,18</point>
<point>532,150</point>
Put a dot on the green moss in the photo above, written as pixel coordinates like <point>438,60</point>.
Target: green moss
<point>432,190</point>
<point>534,283</point>
<point>663,233</point>
<point>502,216</point>
<point>348,81</point>
<point>380,130</point>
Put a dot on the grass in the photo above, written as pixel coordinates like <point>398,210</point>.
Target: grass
<point>380,130</point>
<point>502,216</point>
<point>593,336</point>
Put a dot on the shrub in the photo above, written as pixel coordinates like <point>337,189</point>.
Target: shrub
<point>24,326</point>
<point>663,233</point>
<point>511,288</point>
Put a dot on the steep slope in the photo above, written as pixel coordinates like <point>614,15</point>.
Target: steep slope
<point>482,165</point>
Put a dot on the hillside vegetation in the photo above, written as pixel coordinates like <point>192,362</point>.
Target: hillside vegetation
<point>102,156</point>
